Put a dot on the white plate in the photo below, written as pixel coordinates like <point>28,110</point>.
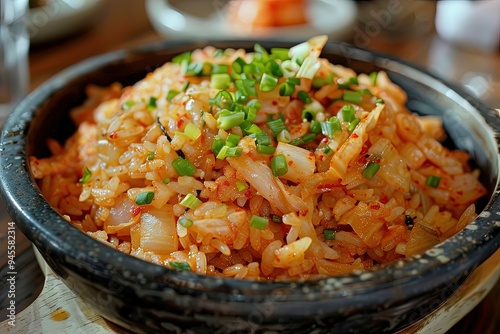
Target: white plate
<point>335,18</point>
<point>60,18</point>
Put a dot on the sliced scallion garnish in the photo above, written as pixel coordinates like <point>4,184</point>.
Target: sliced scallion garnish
<point>433,181</point>
<point>190,201</point>
<point>183,167</point>
<point>353,97</point>
<point>259,222</point>
<point>279,165</point>
<point>144,198</point>
<point>370,170</point>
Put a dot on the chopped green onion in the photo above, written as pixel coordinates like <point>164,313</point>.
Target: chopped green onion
<point>182,266</point>
<point>293,81</point>
<point>273,68</point>
<point>249,69</point>
<point>304,97</point>
<point>365,91</point>
<point>284,137</point>
<point>347,113</point>
<point>238,65</point>
<point>315,127</point>
<point>183,167</point>
<point>329,234</point>
<point>232,140</point>
<point>186,56</point>
<point>250,129</point>
<point>308,137</point>
<point>276,126</point>
<point>86,175</point>
<point>194,69</point>
<point>171,94</point>
<point>279,166</point>
<point>262,138</point>
<point>268,83</point>
<point>280,53</point>
<point>229,152</point>
<point>191,131</point>
<point>144,198</point>
<point>226,122</point>
<point>151,155</point>
<point>220,81</point>
<point>370,170</point>
<point>185,86</point>
<point>318,82</point>
<point>166,180</point>
<point>217,144</point>
<point>354,97</point>
<point>327,150</point>
<point>264,149</point>
<point>380,101</point>
<point>220,69</point>
<point>373,78</point>
<point>241,185</point>
<point>251,114</point>
<point>353,124</point>
<point>191,201</point>
<point>185,222</point>
<point>128,104</point>
<point>264,55</point>
<point>258,222</point>
<point>152,103</point>
<point>328,128</point>
<point>223,99</point>
<point>308,114</point>
<point>433,181</point>
<point>287,89</point>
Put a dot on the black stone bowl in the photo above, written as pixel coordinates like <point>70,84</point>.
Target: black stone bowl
<point>144,297</point>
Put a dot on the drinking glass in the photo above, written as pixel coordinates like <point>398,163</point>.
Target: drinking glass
<point>14,45</point>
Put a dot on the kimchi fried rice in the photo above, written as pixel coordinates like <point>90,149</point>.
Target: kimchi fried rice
<point>270,164</point>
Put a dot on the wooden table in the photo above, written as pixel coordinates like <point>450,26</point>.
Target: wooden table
<point>124,24</point>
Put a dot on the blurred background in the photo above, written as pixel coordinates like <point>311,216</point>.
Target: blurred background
<point>456,40</point>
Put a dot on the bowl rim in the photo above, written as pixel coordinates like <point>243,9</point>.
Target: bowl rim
<point>433,266</point>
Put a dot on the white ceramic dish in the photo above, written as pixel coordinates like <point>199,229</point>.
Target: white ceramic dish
<point>170,19</point>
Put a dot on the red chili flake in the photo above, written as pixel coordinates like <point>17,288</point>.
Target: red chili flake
<point>113,135</point>
<point>321,157</point>
<point>364,149</point>
<point>135,211</point>
<point>303,213</point>
<point>290,162</point>
<point>378,161</point>
<point>350,195</point>
<point>354,136</point>
<point>274,103</point>
<point>362,160</point>
<point>285,228</point>
<point>460,192</point>
<point>226,183</point>
<point>180,123</point>
<point>248,194</point>
<point>375,206</point>
<point>384,200</point>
